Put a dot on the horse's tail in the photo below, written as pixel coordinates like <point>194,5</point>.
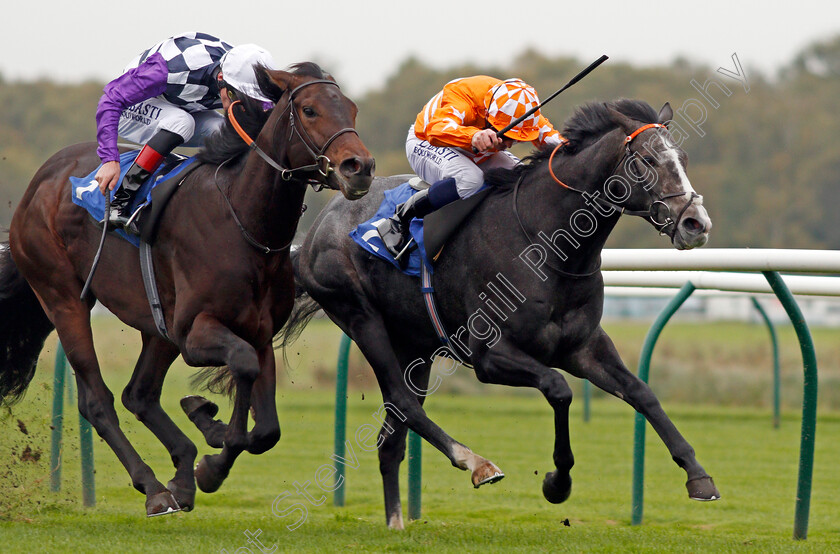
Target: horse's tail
<point>24,327</point>
<point>304,310</point>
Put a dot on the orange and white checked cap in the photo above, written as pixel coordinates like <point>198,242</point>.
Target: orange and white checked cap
<point>509,100</point>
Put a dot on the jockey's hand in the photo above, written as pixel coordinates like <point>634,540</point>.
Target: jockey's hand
<point>485,140</point>
<point>108,176</point>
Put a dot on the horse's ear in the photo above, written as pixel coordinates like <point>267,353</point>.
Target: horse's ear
<point>626,124</point>
<point>666,114</point>
<point>273,82</point>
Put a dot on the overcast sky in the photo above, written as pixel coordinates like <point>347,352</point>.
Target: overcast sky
<point>362,42</point>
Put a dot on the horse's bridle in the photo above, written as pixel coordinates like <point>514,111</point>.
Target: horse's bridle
<point>322,163</point>
<point>656,199</point>
<point>321,166</point>
<point>649,213</point>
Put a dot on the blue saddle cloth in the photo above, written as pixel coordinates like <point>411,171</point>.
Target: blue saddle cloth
<point>367,236</point>
<point>85,190</point>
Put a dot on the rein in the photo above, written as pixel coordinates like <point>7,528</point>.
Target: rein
<point>322,163</point>
<point>657,200</point>
<point>649,213</point>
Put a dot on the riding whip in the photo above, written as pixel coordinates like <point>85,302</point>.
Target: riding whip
<point>574,80</point>
<point>530,112</point>
<point>98,250</point>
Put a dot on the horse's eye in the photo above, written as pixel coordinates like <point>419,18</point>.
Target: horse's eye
<point>649,160</point>
<point>308,112</point>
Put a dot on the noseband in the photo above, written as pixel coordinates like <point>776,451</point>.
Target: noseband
<point>322,165</point>
<point>656,199</point>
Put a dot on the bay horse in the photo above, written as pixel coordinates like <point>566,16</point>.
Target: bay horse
<point>519,284</point>
<point>223,272</point>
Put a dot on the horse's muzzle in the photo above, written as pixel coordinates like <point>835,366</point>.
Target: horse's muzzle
<point>354,176</point>
<point>692,229</point>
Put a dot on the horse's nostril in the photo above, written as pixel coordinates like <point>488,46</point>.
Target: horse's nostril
<point>350,166</point>
<point>355,166</point>
<point>693,226</point>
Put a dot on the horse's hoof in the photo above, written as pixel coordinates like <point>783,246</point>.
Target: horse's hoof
<point>183,496</point>
<point>557,489</point>
<point>161,503</point>
<point>486,473</point>
<point>208,477</point>
<point>396,522</point>
<point>702,488</point>
<point>196,405</point>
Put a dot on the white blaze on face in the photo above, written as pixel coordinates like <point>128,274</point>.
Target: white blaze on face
<point>670,154</point>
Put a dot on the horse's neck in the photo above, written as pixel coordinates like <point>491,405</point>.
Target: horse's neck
<point>568,224</point>
<point>267,206</point>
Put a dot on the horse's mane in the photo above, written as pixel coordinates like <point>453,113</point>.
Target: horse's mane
<point>589,123</point>
<point>226,144</point>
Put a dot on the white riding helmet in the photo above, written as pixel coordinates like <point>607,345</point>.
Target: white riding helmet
<point>238,69</point>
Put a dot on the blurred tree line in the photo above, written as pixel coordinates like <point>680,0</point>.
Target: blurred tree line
<point>766,163</point>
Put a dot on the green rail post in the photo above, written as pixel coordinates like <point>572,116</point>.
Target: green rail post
<point>415,474</point>
<point>57,426</point>
<point>341,417</point>
<point>809,403</point>
<point>777,378</point>
<point>62,376</point>
<point>644,372</point>
<point>88,479</point>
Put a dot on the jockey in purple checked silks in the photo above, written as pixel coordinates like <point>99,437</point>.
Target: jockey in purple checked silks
<point>168,97</point>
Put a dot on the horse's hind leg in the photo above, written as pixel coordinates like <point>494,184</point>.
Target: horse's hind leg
<point>96,403</point>
<point>599,362</point>
<point>142,398</point>
<point>370,335</point>
<point>391,454</point>
<point>504,364</point>
<point>41,259</point>
<point>392,437</point>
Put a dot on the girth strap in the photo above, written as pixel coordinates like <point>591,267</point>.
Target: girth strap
<point>431,307</point>
<point>149,283</point>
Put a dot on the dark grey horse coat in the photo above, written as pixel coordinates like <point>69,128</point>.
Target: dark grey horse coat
<point>518,287</point>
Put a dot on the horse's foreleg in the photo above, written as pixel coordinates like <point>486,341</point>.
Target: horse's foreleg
<point>209,343</point>
<point>599,362</point>
<point>202,412</point>
<point>142,398</point>
<point>266,431</point>
<point>504,364</point>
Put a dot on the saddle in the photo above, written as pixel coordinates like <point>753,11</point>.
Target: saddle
<point>151,203</point>
<point>174,174</point>
<point>430,233</point>
<point>439,225</point>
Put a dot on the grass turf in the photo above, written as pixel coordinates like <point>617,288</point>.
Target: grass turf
<point>754,466</point>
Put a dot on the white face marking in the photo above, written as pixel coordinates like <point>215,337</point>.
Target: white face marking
<point>670,154</point>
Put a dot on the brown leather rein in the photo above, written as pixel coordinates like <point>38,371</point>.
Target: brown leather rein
<point>322,165</point>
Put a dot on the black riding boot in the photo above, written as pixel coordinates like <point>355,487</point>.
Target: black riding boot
<point>148,160</point>
<point>394,231</point>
